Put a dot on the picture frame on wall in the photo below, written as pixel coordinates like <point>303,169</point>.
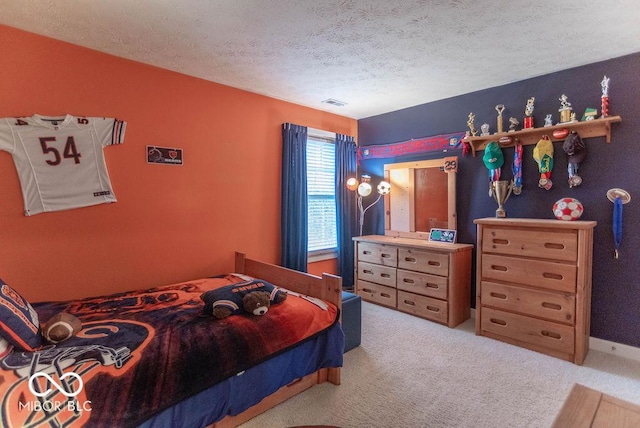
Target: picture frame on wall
<point>164,155</point>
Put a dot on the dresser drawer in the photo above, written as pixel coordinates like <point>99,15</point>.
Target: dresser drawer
<point>377,293</point>
<point>537,332</point>
<point>379,274</point>
<point>379,254</point>
<point>537,273</point>
<point>423,261</point>
<point>558,307</point>
<point>422,306</point>
<point>553,245</point>
<point>423,283</point>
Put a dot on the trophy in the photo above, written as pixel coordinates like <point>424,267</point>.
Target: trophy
<point>501,190</point>
<point>528,113</point>
<point>500,109</point>
<point>470,123</point>
<point>565,110</point>
<point>605,96</point>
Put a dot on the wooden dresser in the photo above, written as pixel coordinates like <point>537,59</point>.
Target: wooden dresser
<point>429,279</point>
<point>534,284</point>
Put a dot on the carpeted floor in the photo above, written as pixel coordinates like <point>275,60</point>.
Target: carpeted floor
<point>410,372</point>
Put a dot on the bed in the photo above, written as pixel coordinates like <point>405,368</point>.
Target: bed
<point>150,358</point>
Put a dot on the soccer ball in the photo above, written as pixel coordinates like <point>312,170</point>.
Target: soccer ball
<point>384,188</point>
<point>567,209</point>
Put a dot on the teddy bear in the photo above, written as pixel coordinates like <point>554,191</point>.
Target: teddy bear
<point>253,297</point>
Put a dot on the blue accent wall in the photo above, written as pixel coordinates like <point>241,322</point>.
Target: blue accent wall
<point>615,309</point>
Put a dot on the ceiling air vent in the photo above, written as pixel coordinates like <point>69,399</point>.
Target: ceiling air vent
<point>334,102</point>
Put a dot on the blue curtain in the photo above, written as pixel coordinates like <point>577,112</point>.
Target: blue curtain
<point>294,197</point>
<point>347,227</point>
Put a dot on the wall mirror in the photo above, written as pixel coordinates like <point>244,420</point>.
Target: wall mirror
<point>423,197</point>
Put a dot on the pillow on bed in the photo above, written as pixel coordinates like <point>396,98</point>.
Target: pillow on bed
<point>19,323</point>
<point>232,296</point>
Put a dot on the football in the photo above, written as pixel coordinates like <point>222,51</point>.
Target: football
<point>559,134</point>
<point>505,141</point>
<point>567,209</point>
<point>61,326</point>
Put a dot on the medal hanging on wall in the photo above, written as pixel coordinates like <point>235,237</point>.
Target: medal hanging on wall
<point>517,167</point>
<point>619,197</point>
<point>543,155</point>
<point>575,148</point>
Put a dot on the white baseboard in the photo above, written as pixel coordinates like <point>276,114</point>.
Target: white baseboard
<point>606,346</point>
<point>614,348</point>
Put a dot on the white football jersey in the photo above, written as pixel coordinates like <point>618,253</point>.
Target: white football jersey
<point>59,160</point>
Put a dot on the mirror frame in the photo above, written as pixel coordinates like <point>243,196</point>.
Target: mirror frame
<point>450,166</point>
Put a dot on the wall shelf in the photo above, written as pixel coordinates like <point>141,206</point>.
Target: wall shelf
<point>587,129</point>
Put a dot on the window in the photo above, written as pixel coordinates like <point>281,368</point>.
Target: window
<point>321,172</point>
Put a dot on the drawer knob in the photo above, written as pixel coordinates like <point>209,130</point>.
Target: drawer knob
<point>498,295</point>
<point>385,295</point>
<point>433,309</point>
<point>551,334</point>
<point>366,252</point>
<point>501,242</point>
<point>410,259</point>
<point>367,271</point>
<point>385,275</point>
<point>432,263</point>
<point>498,321</point>
<point>550,275</point>
<point>385,255</point>
<point>553,306</point>
<point>408,280</point>
<point>500,268</point>
<point>430,285</point>
<point>409,302</point>
<point>554,246</point>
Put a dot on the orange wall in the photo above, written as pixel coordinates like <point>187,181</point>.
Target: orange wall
<point>324,266</point>
<point>170,223</point>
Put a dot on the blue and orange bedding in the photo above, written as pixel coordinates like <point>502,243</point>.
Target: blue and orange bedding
<point>141,353</point>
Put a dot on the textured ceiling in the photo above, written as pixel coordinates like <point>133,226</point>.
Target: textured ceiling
<point>375,55</point>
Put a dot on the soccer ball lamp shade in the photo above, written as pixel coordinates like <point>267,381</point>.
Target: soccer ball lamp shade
<point>384,188</point>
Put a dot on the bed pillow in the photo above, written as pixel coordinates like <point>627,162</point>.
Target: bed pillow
<point>19,323</point>
<point>230,299</point>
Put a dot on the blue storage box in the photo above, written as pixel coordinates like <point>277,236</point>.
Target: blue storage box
<point>351,320</point>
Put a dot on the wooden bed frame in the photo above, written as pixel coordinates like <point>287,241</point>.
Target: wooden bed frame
<point>586,407</point>
<point>328,288</point>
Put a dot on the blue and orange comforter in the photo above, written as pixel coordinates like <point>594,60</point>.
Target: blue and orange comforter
<point>141,352</point>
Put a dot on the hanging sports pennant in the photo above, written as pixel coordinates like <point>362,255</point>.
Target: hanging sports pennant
<point>435,143</point>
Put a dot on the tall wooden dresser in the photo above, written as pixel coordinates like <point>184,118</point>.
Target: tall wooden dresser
<point>429,279</point>
<point>533,284</point>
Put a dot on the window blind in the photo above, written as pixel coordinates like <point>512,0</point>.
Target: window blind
<point>321,192</point>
